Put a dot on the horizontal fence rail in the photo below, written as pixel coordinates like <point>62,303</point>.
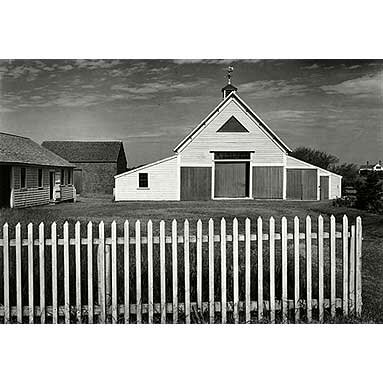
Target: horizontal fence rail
<point>234,272</point>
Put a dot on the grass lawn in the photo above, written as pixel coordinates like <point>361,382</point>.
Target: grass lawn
<point>97,209</point>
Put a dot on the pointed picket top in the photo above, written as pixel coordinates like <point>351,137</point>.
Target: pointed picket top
<point>5,226</point>
<point>284,221</point>
<point>308,221</point>
<point>174,224</point>
<point>41,225</point>
<point>90,225</point>
<point>211,221</point>
<point>272,220</point>
<point>30,228</point>
<point>18,225</point>
<point>223,221</point>
<point>186,222</point>
<point>332,218</point>
<point>150,223</point>
<point>259,220</point>
<point>296,219</point>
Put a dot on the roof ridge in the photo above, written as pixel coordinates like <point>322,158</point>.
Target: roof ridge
<point>15,135</point>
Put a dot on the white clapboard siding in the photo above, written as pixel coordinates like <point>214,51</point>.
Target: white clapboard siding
<point>162,178</point>
<point>182,298</point>
<point>208,139</point>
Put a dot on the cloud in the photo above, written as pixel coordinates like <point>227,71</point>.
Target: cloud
<point>272,88</point>
<point>314,66</point>
<point>213,61</point>
<point>364,86</point>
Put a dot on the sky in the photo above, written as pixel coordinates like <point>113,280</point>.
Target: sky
<point>151,105</point>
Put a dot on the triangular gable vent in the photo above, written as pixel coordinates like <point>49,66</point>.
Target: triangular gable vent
<point>232,125</point>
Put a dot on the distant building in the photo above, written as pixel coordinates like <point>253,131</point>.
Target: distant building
<point>31,175</point>
<point>96,163</point>
<point>232,154</point>
<point>365,169</point>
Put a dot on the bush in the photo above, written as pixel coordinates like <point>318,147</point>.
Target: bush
<point>369,193</point>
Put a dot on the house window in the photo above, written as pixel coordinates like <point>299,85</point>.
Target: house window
<point>143,180</point>
<point>40,178</point>
<point>69,177</point>
<point>62,176</point>
<point>23,178</point>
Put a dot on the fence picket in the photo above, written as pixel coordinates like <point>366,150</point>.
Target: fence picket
<point>223,271</point>
<point>78,270</point>
<point>42,272</point>
<point>175,271</point>
<point>284,270</point>
<point>296,271</point>
<point>308,270</point>
<point>55,313</point>
<point>211,272</point>
<point>352,272</point>
<point>345,265</point>
<point>126,272</point>
<point>7,309</point>
<point>272,268</point>
<point>19,303</point>
<point>320,270</point>
<point>199,266</point>
<point>187,271</point>
<point>114,272</point>
<point>260,268</point>
<point>90,272</point>
<point>162,272</point>
<point>31,304</point>
<point>138,273</point>
<point>332,267</point>
<point>247,270</point>
<point>358,267</point>
<point>108,284</point>
<point>101,272</point>
<point>150,271</point>
<point>235,272</point>
<point>66,274</point>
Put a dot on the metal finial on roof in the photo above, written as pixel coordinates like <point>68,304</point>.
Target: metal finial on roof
<point>229,70</point>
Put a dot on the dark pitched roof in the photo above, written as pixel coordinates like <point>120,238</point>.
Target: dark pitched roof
<point>22,150</point>
<point>86,151</point>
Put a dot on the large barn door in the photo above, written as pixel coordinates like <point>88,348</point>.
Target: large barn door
<point>301,184</point>
<point>195,183</point>
<point>231,179</point>
<point>268,182</point>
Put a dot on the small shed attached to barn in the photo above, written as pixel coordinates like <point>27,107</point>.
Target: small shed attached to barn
<point>96,163</point>
<point>231,154</point>
<point>31,175</point>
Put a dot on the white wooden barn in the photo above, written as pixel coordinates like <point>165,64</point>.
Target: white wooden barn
<point>231,154</point>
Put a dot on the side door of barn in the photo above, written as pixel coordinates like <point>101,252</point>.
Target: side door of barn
<point>324,187</point>
<point>77,179</point>
<point>302,184</point>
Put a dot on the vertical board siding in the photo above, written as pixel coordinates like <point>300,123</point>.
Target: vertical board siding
<point>231,179</point>
<point>268,182</point>
<point>302,184</point>
<point>337,283</point>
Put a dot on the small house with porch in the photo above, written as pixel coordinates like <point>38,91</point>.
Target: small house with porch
<point>31,175</point>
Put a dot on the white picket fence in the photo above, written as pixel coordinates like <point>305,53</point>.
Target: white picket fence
<point>114,292</point>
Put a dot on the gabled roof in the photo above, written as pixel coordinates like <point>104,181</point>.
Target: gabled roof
<point>247,109</point>
<point>86,151</point>
<point>22,150</point>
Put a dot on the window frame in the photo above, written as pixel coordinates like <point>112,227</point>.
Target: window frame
<point>139,180</point>
<point>23,172</point>
<point>62,180</point>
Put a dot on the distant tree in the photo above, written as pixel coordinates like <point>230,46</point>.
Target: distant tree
<point>350,173</point>
<point>315,157</point>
